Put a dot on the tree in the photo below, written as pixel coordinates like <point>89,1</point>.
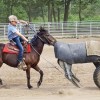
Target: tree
<point>28,6</point>
<point>49,11</point>
<point>59,7</point>
<point>85,8</point>
<point>53,10</point>
<point>66,9</point>
<point>9,5</point>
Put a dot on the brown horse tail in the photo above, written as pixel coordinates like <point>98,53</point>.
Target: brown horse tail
<point>1,52</point>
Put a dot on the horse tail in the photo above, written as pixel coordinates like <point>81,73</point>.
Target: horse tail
<point>1,53</point>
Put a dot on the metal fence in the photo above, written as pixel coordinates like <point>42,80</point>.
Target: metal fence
<point>69,29</point>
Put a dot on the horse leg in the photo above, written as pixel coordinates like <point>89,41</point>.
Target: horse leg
<point>70,75</point>
<point>66,68</point>
<point>68,72</point>
<point>28,77</point>
<point>1,82</point>
<point>97,64</point>
<point>41,75</point>
<point>1,62</point>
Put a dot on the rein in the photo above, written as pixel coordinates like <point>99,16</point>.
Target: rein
<point>40,38</point>
<point>37,51</point>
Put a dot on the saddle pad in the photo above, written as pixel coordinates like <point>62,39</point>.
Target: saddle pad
<point>8,48</point>
<point>93,48</point>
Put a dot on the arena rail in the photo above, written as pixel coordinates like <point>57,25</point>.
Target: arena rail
<point>69,29</point>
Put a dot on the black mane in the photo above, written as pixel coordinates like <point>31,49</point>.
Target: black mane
<point>41,32</point>
<point>33,40</point>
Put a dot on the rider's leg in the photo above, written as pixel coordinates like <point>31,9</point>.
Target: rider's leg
<point>21,40</point>
<point>21,51</point>
<point>20,47</point>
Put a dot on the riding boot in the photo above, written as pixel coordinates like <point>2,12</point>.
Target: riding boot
<point>22,65</point>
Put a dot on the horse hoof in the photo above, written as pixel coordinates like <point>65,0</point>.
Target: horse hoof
<point>30,87</point>
<point>1,82</point>
<point>38,84</point>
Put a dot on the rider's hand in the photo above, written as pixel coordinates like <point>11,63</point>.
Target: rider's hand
<point>28,42</point>
<point>27,23</point>
<point>24,22</point>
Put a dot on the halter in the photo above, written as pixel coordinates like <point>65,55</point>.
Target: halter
<point>35,37</point>
<point>35,33</point>
<point>40,38</point>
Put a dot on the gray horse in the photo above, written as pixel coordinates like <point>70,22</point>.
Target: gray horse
<point>73,53</point>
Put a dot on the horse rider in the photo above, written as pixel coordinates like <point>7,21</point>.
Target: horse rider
<point>17,37</point>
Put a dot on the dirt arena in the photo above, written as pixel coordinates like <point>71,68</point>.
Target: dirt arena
<point>54,86</point>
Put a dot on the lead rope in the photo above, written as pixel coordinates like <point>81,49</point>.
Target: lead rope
<point>45,59</point>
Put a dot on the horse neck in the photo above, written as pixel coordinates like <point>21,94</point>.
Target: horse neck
<point>38,47</point>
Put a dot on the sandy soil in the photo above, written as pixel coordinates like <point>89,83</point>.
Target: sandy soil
<point>54,86</point>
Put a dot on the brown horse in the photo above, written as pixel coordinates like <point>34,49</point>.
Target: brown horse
<point>32,58</point>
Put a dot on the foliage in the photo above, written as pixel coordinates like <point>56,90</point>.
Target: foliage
<point>50,10</point>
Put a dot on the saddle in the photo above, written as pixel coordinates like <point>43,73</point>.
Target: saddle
<point>13,49</point>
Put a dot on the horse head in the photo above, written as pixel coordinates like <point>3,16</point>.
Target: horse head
<point>46,37</point>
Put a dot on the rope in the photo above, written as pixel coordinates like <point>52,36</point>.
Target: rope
<point>38,53</point>
<point>45,59</point>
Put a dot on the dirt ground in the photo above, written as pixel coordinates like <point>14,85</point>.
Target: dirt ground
<point>54,86</point>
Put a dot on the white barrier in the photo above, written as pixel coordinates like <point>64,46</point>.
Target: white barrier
<point>69,29</point>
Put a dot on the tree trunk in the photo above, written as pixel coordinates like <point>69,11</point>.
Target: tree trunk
<point>54,13</point>
<point>29,16</point>
<point>49,12</point>
<point>80,4</point>
<point>58,9</point>
<point>67,4</point>
<point>29,12</point>
<point>42,14</point>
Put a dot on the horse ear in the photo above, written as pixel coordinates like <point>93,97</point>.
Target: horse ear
<point>41,28</point>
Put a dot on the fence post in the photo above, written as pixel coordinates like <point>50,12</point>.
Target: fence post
<point>49,27</point>
<point>90,28</point>
<point>76,29</point>
<point>34,26</point>
<point>62,29</point>
<point>4,32</point>
<point>20,28</point>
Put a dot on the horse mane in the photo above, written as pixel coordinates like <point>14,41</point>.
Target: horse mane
<point>42,29</point>
<point>33,40</point>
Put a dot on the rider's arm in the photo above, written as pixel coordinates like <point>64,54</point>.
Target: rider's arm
<point>23,22</point>
<point>22,36</point>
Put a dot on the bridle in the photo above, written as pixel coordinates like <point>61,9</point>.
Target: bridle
<point>38,52</point>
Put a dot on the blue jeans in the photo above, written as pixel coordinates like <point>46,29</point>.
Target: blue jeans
<point>18,41</point>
